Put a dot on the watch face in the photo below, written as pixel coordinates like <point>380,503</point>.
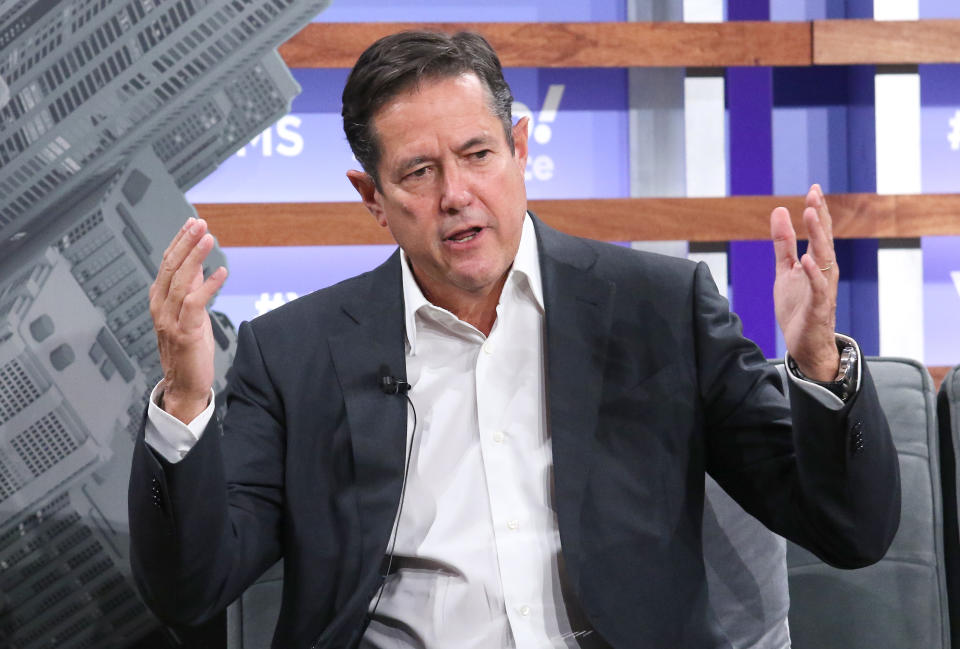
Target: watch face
<point>842,386</point>
<point>848,359</point>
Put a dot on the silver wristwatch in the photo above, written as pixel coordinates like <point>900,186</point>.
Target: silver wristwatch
<point>842,386</point>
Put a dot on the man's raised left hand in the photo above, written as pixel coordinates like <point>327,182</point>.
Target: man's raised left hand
<point>805,289</point>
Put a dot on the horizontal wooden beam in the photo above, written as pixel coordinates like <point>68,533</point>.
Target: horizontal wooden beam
<point>895,42</point>
<point>601,44</point>
<point>628,219</point>
<point>659,44</point>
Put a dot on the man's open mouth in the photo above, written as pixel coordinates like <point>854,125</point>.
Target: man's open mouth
<point>462,236</point>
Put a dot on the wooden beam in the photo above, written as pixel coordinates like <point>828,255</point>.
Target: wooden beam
<point>292,224</point>
<point>850,42</point>
<point>602,44</point>
<point>627,219</point>
<point>667,44</point>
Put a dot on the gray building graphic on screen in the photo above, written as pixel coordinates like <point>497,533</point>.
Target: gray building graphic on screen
<point>109,111</point>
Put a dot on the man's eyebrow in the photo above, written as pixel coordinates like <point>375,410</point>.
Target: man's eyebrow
<point>413,161</point>
<point>474,141</point>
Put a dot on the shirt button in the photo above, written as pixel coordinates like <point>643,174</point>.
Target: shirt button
<point>498,437</point>
<point>488,347</point>
<point>513,524</point>
<point>524,611</point>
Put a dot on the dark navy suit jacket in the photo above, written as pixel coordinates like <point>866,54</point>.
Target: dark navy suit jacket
<point>649,385</point>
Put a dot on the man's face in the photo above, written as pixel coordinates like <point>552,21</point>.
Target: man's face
<point>451,192</point>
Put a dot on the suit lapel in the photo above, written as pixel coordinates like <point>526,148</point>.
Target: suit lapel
<point>377,421</point>
<point>579,308</point>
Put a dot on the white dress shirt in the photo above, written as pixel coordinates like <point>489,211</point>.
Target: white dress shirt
<point>477,553</point>
<point>477,545</point>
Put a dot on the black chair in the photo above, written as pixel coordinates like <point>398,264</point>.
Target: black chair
<point>252,618</point>
<point>900,602</point>
<point>948,414</point>
<point>746,568</point>
<point>746,571</point>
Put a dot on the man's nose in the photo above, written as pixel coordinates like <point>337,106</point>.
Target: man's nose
<point>455,191</point>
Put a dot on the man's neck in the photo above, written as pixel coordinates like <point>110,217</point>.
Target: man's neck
<point>478,309</point>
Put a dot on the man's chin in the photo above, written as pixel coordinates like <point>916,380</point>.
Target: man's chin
<point>480,283</point>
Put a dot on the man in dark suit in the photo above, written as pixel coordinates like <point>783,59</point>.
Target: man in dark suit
<point>543,485</point>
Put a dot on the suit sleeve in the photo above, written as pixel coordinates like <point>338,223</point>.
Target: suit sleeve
<point>196,541</point>
<point>826,479</point>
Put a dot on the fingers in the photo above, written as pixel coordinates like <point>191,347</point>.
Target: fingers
<point>179,295</point>
<point>820,261</point>
<point>173,258</point>
<point>821,246</point>
<point>189,276</point>
<point>818,201</point>
<point>784,239</point>
<point>193,310</point>
<point>183,228</point>
<point>818,279</point>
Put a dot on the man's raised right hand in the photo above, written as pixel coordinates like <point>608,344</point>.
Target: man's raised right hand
<point>178,300</point>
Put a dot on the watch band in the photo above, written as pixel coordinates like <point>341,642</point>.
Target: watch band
<point>842,386</point>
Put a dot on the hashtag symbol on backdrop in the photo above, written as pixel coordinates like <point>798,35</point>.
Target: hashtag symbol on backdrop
<point>954,135</point>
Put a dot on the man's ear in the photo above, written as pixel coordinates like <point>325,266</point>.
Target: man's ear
<point>372,200</point>
<point>520,133</point>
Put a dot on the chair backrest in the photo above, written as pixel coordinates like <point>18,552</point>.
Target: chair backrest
<point>746,568</point>
<point>252,618</point>
<point>746,572</point>
<point>902,600</point>
<point>948,415</point>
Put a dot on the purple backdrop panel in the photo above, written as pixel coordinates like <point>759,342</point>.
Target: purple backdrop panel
<point>857,8</point>
<point>940,127</point>
<point>579,140</point>
<point>579,144</point>
<point>810,129</point>
<point>858,298</point>
<point>264,278</point>
<point>748,10</point>
<point>473,11</point>
<point>820,116</point>
<point>939,9</point>
<point>752,271</point>
<point>750,101</point>
<point>302,158</point>
<point>941,300</point>
<point>811,9</point>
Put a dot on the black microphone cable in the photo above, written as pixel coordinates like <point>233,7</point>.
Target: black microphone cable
<point>403,489</point>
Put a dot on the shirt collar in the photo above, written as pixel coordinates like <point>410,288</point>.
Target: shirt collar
<point>526,265</point>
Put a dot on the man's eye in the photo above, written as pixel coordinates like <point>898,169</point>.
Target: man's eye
<point>418,173</point>
<point>480,155</point>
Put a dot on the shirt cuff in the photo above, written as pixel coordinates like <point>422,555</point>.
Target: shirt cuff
<point>821,394</point>
<point>169,436</point>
